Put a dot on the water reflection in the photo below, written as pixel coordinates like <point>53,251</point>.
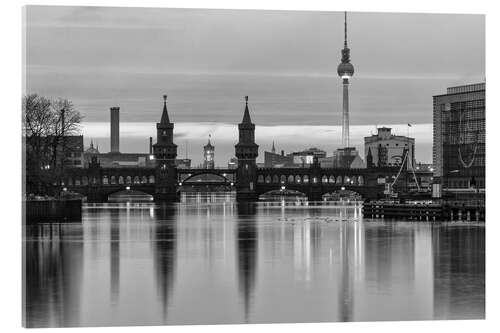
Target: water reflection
<point>247,248</point>
<point>53,277</point>
<point>210,263</point>
<point>164,240</point>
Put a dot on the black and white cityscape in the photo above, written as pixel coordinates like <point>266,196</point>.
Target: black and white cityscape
<point>199,166</point>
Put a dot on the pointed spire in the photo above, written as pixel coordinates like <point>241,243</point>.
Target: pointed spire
<point>164,115</point>
<point>345,51</point>
<point>91,143</point>
<point>209,136</point>
<point>246,115</point>
<point>273,149</point>
<point>345,30</point>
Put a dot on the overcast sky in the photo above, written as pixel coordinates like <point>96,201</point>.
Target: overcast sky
<point>207,60</point>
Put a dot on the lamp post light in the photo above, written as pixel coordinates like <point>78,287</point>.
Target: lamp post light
<point>127,188</point>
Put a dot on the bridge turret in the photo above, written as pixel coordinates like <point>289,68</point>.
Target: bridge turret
<point>246,153</point>
<point>165,153</point>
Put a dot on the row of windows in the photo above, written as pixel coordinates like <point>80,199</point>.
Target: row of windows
<point>113,180</point>
<point>298,179</point>
<point>467,104</point>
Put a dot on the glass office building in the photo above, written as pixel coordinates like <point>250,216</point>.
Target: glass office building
<point>459,140</point>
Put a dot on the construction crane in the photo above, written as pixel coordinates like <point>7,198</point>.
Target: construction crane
<point>389,189</point>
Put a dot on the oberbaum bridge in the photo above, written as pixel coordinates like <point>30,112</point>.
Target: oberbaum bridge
<point>164,181</point>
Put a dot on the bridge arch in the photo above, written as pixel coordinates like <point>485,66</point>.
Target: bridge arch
<point>199,177</point>
<point>279,195</point>
<point>129,195</point>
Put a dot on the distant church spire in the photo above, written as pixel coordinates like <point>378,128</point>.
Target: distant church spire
<point>164,115</point>
<point>246,115</point>
<point>91,143</point>
<point>273,149</point>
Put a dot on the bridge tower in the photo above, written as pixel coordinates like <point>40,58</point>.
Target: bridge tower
<point>94,182</point>
<point>165,152</point>
<point>246,153</point>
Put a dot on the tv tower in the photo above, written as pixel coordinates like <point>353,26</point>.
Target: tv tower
<point>345,70</point>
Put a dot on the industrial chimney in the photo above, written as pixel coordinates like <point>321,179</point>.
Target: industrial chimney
<point>115,129</point>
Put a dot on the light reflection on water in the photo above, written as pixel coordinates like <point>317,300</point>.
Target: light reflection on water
<point>208,263</point>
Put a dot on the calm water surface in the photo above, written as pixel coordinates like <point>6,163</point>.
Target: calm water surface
<point>214,263</point>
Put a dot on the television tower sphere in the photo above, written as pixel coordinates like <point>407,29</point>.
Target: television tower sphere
<point>345,70</point>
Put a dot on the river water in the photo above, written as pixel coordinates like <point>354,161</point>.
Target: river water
<point>223,262</point>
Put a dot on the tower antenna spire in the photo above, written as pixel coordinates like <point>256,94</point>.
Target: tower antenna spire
<point>345,29</point>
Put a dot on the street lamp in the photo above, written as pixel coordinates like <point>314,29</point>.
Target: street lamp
<point>127,188</point>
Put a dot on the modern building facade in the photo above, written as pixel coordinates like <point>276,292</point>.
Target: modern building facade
<point>459,133</point>
<point>386,149</point>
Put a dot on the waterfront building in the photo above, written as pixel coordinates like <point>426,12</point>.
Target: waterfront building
<point>459,130</point>
<point>387,149</point>
<point>68,149</point>
<point>73,150</point>
<point>208,155</point>
<point>295,159</point>
<point>307,156</point>
<point>346,158</point>
<point>273,160</point>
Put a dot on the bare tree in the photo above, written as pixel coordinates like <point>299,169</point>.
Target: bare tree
<point>46,123</point>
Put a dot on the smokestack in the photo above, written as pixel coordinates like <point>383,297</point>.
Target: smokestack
<point>150,145</point>
<point>115,129</point>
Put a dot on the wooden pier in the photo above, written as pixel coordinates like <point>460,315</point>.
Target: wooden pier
<point>420,211</point>
<point>43,211</point>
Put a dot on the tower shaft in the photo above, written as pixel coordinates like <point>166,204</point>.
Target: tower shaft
<point>345,113</point>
